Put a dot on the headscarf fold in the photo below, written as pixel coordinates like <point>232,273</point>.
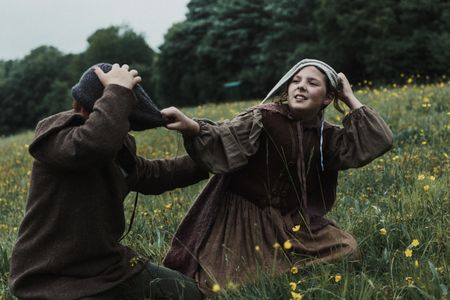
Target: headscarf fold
<point>329,72</point>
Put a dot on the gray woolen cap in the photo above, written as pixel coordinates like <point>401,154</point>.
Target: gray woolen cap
<point>89,89</point>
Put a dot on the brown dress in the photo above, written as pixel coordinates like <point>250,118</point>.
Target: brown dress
<point>270,182</point>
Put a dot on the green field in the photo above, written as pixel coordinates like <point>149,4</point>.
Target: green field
<point>397,207</point>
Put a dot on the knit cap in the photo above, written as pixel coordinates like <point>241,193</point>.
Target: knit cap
<point>89,89</point>
<point>329,72</point>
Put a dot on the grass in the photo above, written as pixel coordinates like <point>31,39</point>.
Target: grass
<point>397,199</point>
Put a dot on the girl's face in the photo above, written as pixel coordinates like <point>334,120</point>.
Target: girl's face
<point>307,93</point>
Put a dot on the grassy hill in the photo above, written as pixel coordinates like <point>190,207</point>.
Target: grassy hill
<point>397,207</point>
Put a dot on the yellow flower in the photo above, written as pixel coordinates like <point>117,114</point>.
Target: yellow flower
<point>168,205</point>
<point>296,296</point>
<point>410,80</point>
<point>134,261</point>
<point>383,231</point>
<point>415,242</point>
<point>432,178</point>
<point>276,245</point>
<point>337,277</point>
<point>416,263</point>
<point>293,286</point>
<point>296,228</point>
<point>421,177</point>
<point>409,280</point>
<point>294,270</point>
<point>287,245</point>
<point>426,188</point>
<point>216,288</point>
<point>408,252</point>
<point>257,248</point>
<point>231,285</point>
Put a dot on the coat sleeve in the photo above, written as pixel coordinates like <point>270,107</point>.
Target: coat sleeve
<point>225,147</point>
<point>364,137</point>
<point>90,143</point>
<point>158,176</point>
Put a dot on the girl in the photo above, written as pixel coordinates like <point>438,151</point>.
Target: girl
<point>277,167</point>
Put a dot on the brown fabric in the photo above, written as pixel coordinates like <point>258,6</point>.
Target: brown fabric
<point>68,246</point>
<point>267,177</point>
<point>228,255</point>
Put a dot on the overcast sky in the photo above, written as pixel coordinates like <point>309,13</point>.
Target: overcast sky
<point>66,24</point>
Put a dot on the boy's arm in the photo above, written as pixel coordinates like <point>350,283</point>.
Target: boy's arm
<point>158,176</point>
<point>97,140</point>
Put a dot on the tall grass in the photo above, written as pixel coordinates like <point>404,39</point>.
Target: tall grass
<point>397,207</point>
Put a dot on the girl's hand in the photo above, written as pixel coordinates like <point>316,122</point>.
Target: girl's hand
<point>346,93</point>
<point>180,122</point>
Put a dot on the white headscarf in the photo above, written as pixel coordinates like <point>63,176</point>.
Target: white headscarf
<point>329,72</point>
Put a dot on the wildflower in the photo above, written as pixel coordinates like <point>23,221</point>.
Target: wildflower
<point>231,285</point>
<point>416,263</point>
<point>415,242</point>
<point>294,270</point>
<point>395,157</point>
<point>421,177</point>
<point>216,288</point>
<point>409,280</point>
<point>296,296</point>
<point>134,261</point>
<point>383,231</point>
<point>276,245</point>
<point>426,188</point>
<point>168,206</point>
<point>408,252</point>
<point>432,178</point>
<point>424,142</point>
<point>293,286</point>
<point>257,248</point>
<point>440,270</point>
<point>296,228</point>
<point>287,245</point>
<point>337,277</point>
<point>410,80</point>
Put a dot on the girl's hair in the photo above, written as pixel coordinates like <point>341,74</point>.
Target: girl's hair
<point>330,90</point>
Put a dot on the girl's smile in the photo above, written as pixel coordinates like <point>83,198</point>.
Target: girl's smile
<point>307,93</point>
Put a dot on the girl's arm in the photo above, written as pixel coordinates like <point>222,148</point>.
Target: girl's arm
<point>346,93</point>
<point>220,148</point>
<point>364,137</point>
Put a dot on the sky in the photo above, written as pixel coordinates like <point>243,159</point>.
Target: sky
<point>66,24</point>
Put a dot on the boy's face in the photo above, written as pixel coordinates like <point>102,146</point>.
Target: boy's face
<point>307,93</point>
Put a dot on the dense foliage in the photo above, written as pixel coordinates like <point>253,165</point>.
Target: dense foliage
<point>249,43</point>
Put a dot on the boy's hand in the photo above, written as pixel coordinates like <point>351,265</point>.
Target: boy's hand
<point>180,122</point>
<point>346,93</point>
<point>118,75</point>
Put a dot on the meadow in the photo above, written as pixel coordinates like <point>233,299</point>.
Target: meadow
<point>397,207</point>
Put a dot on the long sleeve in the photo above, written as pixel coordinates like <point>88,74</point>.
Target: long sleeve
<point>364,137</point>
<point>75,144</point>
<point>225,147</point>
<point>158,176</point>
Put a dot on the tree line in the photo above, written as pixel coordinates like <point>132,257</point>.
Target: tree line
<point>251,43</point>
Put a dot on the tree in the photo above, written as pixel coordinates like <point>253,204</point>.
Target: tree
<point>183,77</point>
<point>23,91</point>
<point>119,44</point>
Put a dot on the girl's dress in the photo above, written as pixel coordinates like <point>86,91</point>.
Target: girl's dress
<point>264,210</point>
